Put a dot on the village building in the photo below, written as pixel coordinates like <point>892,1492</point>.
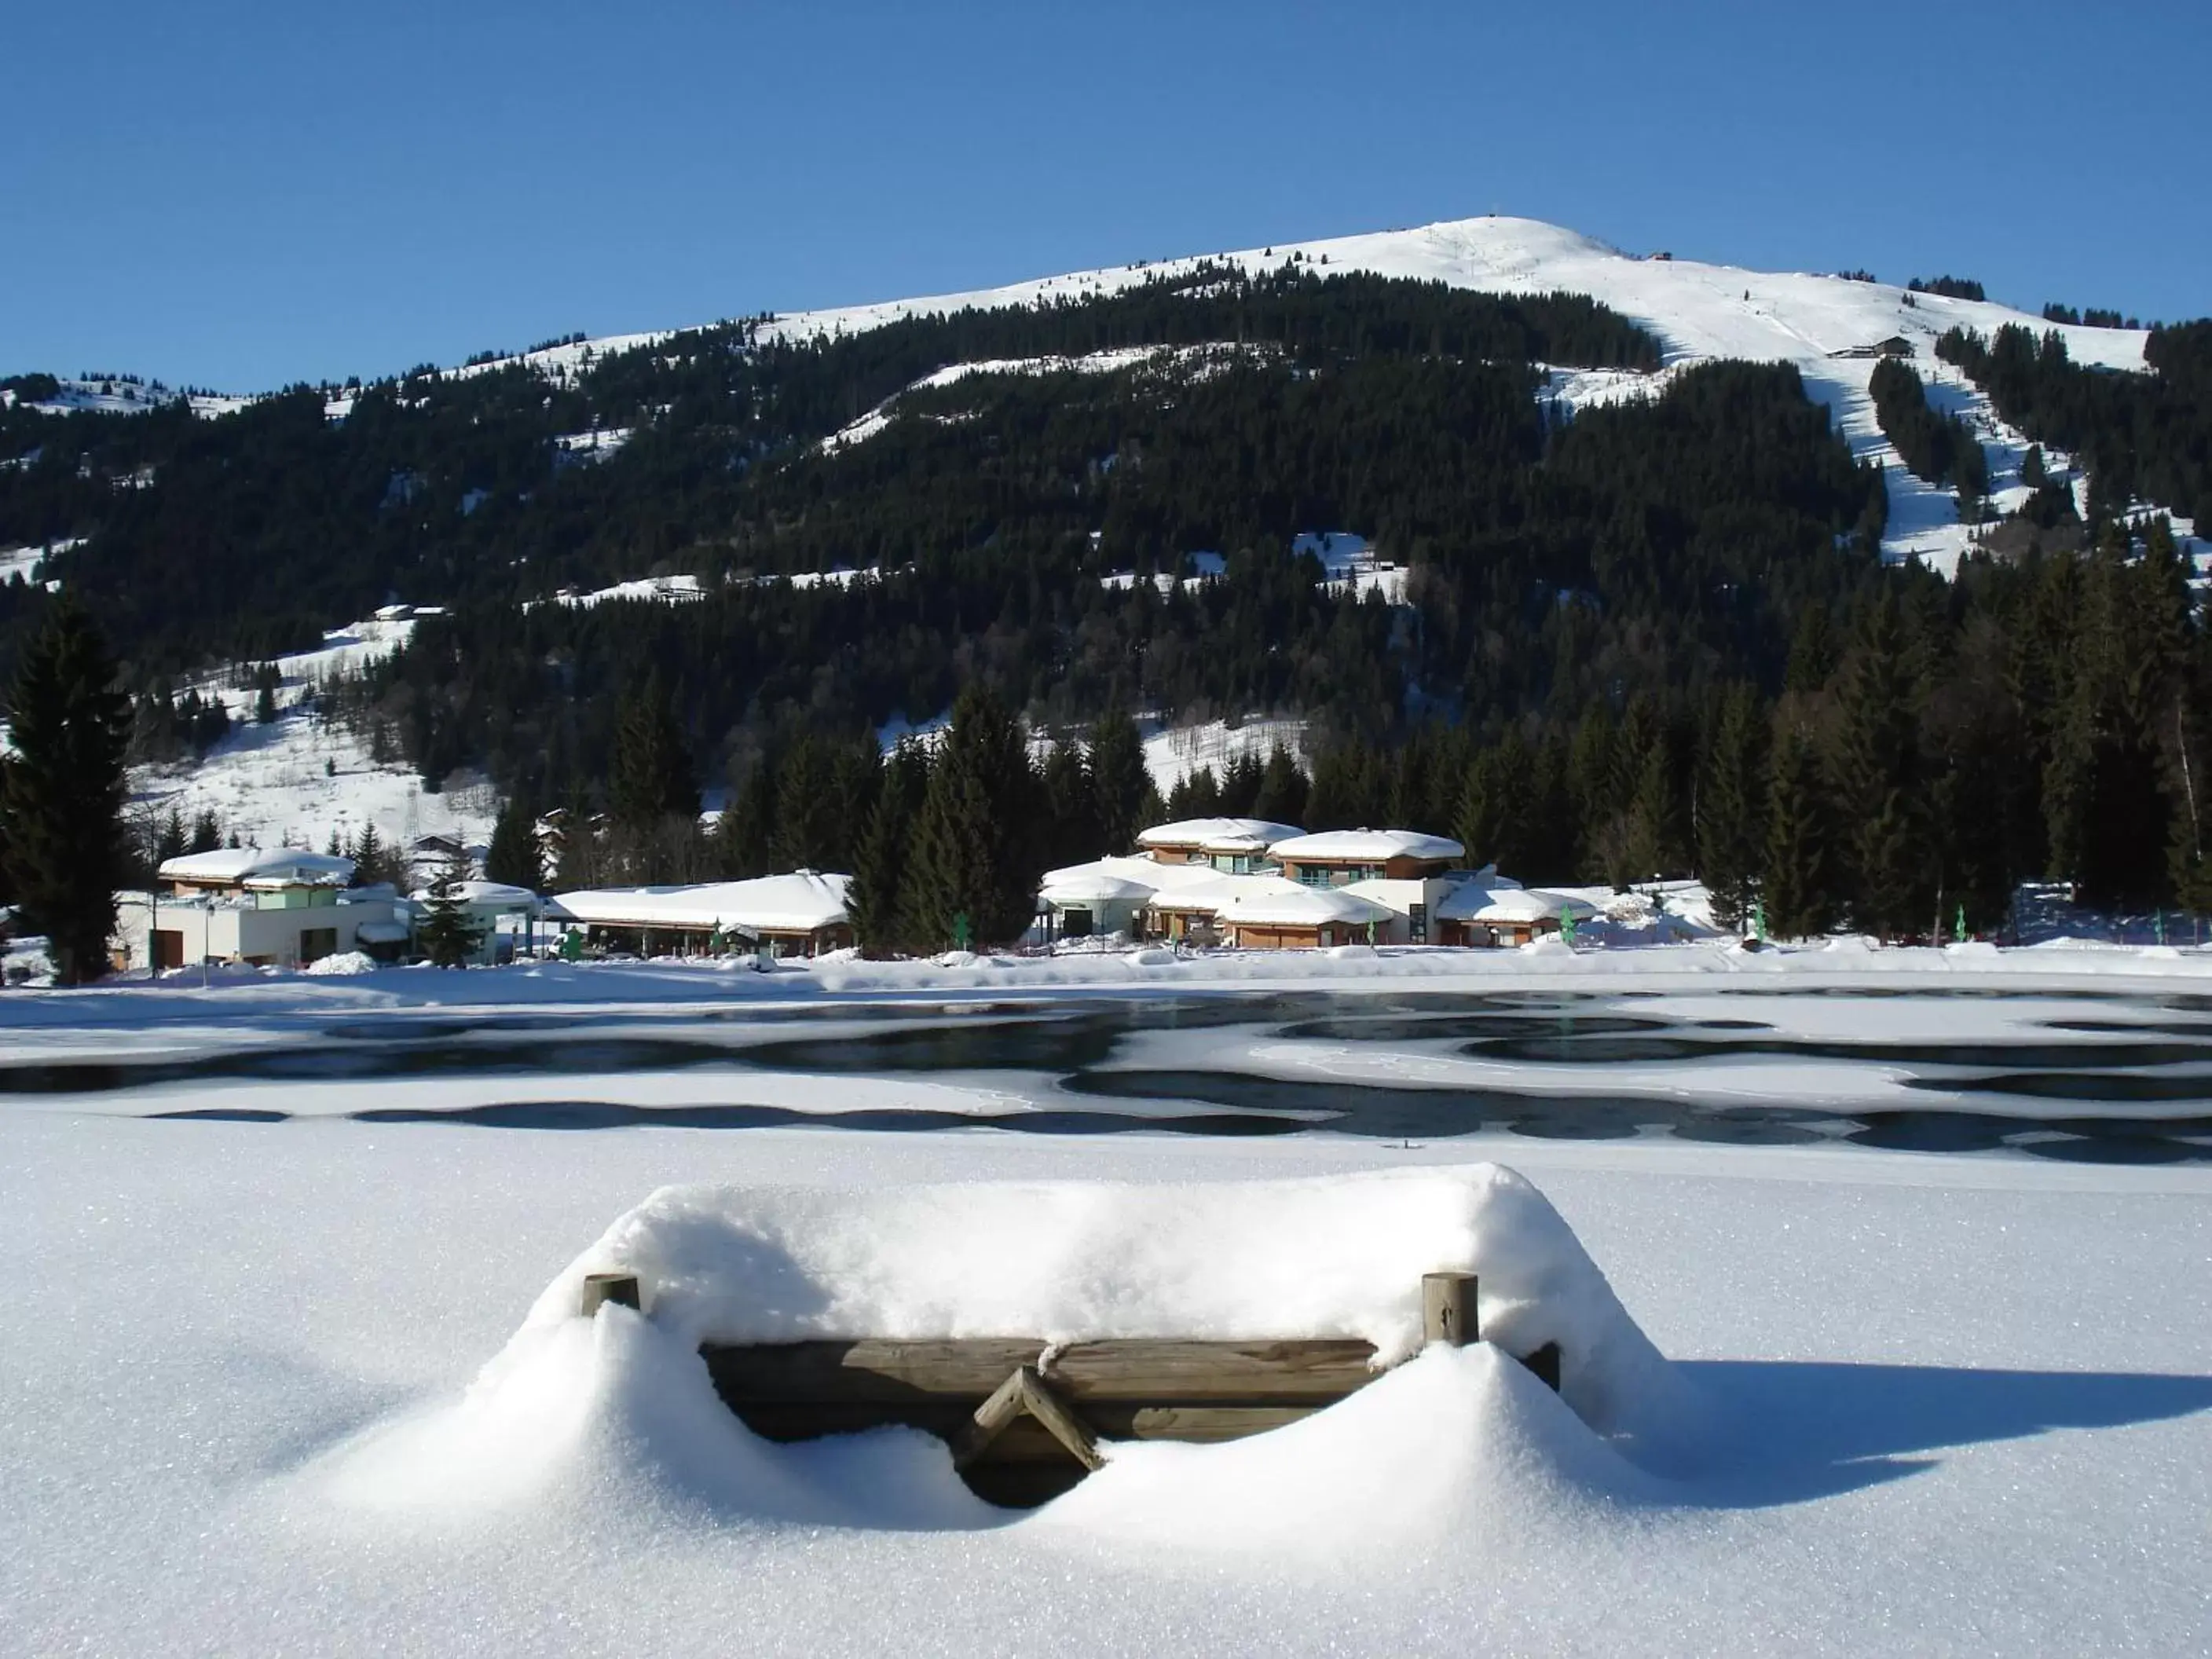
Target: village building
<point>1404,871</point>
<point>1088,902</point>
<point>283,908</point>
<point>1269,913</point>
<point>1493,911</point>
<point>798,913</point>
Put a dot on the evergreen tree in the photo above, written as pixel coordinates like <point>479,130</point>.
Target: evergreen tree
<point>809,831</point>
<point>449,938</point>
<point>653,777</point>
<point>1071,813</point>
<point>973,851</point>
<point>1731,806</point>
<point>875,898</point>
<point>1879,778</point>
<point>1120,784</point>
<point>207,831</point>
<point>744,833</point>
<point>265,681</point>
<point>1795,890</point>
<point>578,865</point>
<point>1282,793</point>
<point>172,840</point>
<point>374,864</point>
<point>62,794</point>
<point>515,856</point>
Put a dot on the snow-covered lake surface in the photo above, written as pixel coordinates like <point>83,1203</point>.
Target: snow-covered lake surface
<point>1912,1349</point>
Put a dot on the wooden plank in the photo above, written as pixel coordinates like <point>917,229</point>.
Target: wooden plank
<point>1006,1402</point>
<point>1109,1419</point>
<point>1064,1425</point>
<point>1152,1369</point>
<point>1192,1372</point>
<point>866,1369</point>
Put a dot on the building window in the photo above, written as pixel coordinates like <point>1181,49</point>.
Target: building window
<point>1417,923</point>
<point>316,943</point>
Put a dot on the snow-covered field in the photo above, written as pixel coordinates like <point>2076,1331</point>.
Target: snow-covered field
<point>310,1385</point>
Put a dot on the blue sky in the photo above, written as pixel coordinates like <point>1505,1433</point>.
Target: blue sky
<point>239,196</point>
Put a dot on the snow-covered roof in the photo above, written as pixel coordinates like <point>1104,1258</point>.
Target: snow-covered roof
<point>1366,846</point>
<point>483,892</point>
<point>1154,877</point>
<point>1087,885</point>
<point>1217,835</point>
<point>282,866</point>
<point>1274,901</point>
<point>1482,901</point>
<point>802,900</point>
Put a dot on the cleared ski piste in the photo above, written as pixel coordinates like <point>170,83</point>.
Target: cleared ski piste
<point>313,1384</point>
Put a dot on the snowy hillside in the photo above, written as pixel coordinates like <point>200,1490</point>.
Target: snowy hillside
<point>298,780</point>
<point>1699,312</point>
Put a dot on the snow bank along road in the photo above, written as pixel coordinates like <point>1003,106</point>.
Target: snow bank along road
<point>310,1384</point>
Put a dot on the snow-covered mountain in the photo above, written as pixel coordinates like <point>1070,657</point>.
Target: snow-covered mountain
<point>1699,312</point>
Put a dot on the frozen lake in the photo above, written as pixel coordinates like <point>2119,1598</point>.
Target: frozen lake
<point>2096,1077</point>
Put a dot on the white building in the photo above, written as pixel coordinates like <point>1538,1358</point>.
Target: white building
<point>283,908</point>
<point>799,913</point>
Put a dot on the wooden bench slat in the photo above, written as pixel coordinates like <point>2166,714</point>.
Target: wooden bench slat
<point>1147,1369</point>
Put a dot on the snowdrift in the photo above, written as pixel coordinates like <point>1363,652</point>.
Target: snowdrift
<point>619,1408</point>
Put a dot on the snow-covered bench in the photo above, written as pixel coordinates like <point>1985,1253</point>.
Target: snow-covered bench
<point>1023,1417</point>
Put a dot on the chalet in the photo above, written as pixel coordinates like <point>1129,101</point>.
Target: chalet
<point>1085,900</point>
<point>1404,871</point>
<point>798,913</point>
<point>281,909</point>
<point>1337,858</point>
<point>1269,913</point>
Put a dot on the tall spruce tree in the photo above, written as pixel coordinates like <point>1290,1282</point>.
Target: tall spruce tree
<point>1732,805</point>
<point>1119,781</point>
<point>62,794</point>
<point>1071,812</point>
<point>809,831</point>
<point>1879,777</point>
<point>515,855</point>
<point>1282,795</point>
<point>744,833</point>
<point>975,847</point>
<point>653,779</point>
<point>1795,892</point>
<point>875,898</point>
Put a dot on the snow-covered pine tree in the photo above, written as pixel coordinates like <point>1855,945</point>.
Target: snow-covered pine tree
<point>448,936</point>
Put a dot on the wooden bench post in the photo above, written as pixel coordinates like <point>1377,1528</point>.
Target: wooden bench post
<point>1447,1309</point>
<point>599,1289</point>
